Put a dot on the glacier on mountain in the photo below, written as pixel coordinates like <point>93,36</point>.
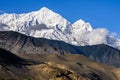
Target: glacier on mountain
<point>48,24</point>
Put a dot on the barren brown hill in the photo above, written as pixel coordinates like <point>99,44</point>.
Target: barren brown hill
<point>53,67</point>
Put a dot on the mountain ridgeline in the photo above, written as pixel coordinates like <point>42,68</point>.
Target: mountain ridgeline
<point>21,44</point>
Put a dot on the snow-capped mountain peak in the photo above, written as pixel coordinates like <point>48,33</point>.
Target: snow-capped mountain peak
<point>79,22</point>
<point>82,25</point>
<point>49,18</point>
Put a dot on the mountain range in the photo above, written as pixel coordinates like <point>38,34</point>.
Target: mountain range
<point>20,44</point>
<point>47,24</point>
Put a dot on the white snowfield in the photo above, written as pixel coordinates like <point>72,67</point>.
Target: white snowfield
<point>48,24</point>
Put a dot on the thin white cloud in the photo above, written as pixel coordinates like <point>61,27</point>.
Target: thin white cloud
<point>1,11</point>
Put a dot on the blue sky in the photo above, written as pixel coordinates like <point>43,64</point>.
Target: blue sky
<point>100,13</point>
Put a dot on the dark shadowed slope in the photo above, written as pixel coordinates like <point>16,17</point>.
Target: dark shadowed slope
<point>22,44</point>
<point>8,58</point>
<point>102,53</point>
<point>19,43</point>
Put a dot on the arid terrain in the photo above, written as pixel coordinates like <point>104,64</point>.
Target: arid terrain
<point>53,67</point>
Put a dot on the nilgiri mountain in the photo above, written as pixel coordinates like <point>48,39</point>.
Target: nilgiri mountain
<point>21,44</point>
<point>48,24</point>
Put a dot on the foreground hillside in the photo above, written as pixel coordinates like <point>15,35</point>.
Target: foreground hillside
<point>22,44</point>
<point>53,67</point>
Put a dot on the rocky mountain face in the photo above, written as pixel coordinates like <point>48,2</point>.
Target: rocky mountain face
<point>53,67</point>
<point>47,24</point>
<point>22,44</point>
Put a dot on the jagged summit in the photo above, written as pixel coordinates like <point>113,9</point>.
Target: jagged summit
<point>48,24</point>
<point>82,25</point>
<point>80,21</point>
